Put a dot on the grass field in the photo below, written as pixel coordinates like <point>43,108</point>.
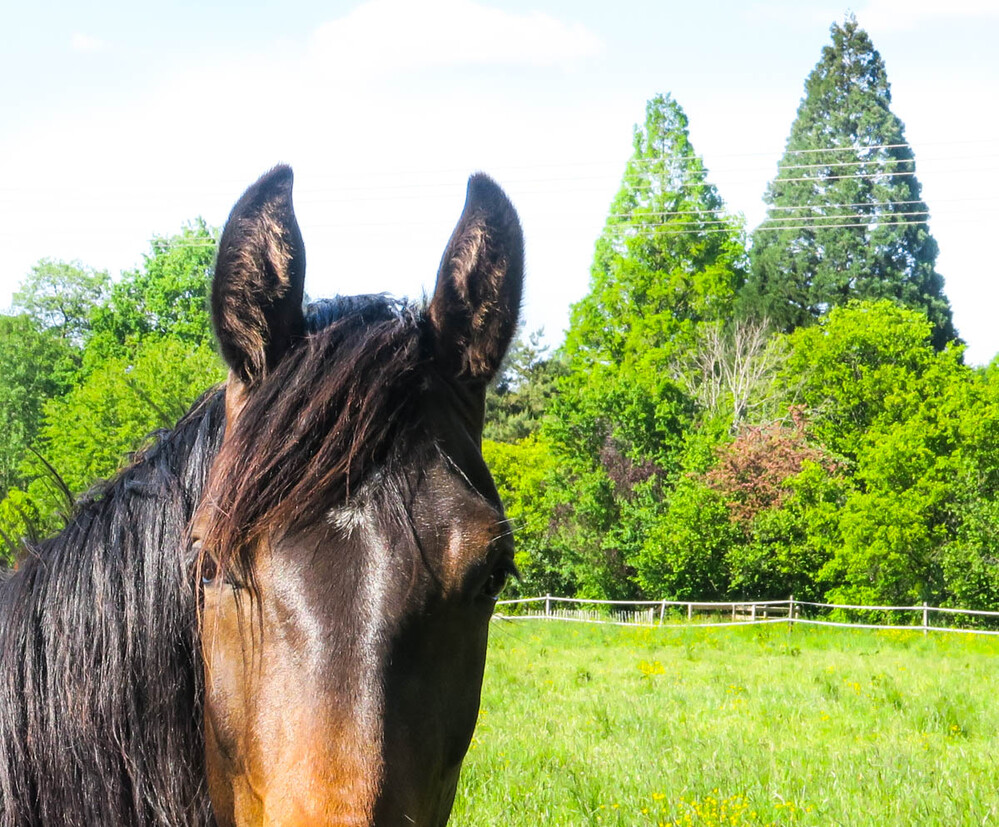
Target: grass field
<point>590,725</point>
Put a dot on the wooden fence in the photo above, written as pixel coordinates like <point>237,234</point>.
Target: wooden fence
<point>654,613</point>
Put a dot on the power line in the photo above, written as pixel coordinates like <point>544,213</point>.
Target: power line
<point>813,221</point>
<point>721,210</point>
<point>672,159</point>
<point>874,217</point>
<point>643,229</point>
<point>653,233</point>
<point>688,159</point>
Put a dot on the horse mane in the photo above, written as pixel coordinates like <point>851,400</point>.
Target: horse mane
<point>100,675</point>
<point>101,681</point>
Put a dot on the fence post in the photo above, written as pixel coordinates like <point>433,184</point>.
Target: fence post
<point>926,619</point>
<point>690,611</point>
<point>752,616</point>
<point>790,613</point>
<point>548,605</point>
<point>662,613</point>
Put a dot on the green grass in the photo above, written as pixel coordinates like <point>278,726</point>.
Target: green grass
<point>586,725</point>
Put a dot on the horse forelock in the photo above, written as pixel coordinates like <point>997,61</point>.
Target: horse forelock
<point>340,404</point>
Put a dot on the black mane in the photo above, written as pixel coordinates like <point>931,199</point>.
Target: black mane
<point>100,667</point>
<point>100,676</point>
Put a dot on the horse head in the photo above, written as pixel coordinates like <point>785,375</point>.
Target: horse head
<point>350,543</point>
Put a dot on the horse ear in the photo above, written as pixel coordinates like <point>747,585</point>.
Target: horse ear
<point>259,278</point>
<point>473,313</point>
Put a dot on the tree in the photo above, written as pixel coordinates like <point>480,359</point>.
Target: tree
<point>167,296</point>
<point>846,219</point>
<point>684,554</point>
<point>35,365</point>
<point>782,492</point>
<point>900,416</point>
<point>60,296</point>
<point>854,371</point>
<point>519,396</point>
<point>146,355</point>
<point>753,468</point>
<point>669,260</point>
<point>88,433</point>
<point>521,471</point>
<point>731,371</point>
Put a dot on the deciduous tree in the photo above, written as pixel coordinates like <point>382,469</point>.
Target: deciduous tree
<point>60,297</point>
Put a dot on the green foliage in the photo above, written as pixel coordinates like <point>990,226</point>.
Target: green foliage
<point>60,296</point>
<point>684,555</point>
<point>846,219</point>
<point>898,412</point>
<point>168,296</point>
<point>752,470</point>
<point>970,560</point>
<point>517,400</point>
<point>19,518</point>
<point>784,548</point>
<point>90,370</point>
<point>862,365</point>
<point>35,365</point>
<point>668,261</point>
<point>652,455</point>
<point>881,492</point>
<point>585,522</point>
<point>668,257</point>
<point>521,471</point>
<point>89,432</point>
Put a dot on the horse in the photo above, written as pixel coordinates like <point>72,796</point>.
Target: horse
<point>278,613</point>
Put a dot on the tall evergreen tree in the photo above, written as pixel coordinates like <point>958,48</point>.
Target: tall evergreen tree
<point>668,258</point>
<point>845,219</point>
<point>668,261</point>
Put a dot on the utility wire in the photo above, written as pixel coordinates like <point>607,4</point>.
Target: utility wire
<point>674,159</point>
<point>654,233</point>
<point>812,220</point>
<point>721,210</point>
<point>652,230</point>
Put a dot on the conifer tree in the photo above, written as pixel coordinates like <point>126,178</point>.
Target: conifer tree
<point>845,219</point>
<point>668,261</point>
<point>669,256</point>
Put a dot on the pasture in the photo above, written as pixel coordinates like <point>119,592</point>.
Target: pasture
<point>589,725</point>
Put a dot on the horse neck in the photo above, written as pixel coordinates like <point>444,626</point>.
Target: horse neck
<point>100,675</point>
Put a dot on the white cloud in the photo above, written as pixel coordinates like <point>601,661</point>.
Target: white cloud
<point>81,42</point>
<point>893,15</point>
<point>388,35</point>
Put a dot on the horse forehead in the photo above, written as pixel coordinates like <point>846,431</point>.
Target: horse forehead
<point>442,495</point>
<point>445,523</point>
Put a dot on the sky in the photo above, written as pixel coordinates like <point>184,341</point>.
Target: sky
<point>122,120</point>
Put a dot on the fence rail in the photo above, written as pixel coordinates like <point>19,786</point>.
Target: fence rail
<point>653,613</point>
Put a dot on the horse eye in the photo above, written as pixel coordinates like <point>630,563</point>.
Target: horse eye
<point>209,570</point>
<point>204,565</point>
<point>497,579</point>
